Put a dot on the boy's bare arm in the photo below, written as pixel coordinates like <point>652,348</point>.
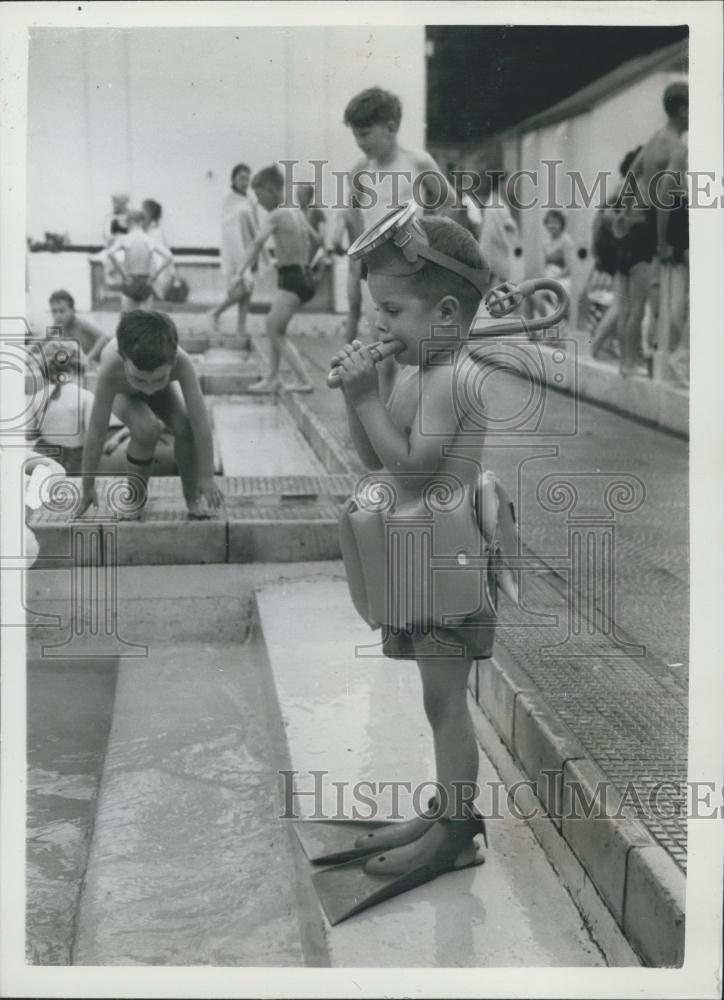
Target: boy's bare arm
<point>95,434</point>
<point>97,338</point>
<point>113,257</point>
<point>167,256</point>
<point>416,451</point>
<point>259,240</point>
<point>424,163</point>
<point>352,193</point>
<point>198,416</point>
<point>367,454</point>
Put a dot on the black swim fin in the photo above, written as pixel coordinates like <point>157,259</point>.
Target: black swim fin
<point>333,841</point>
<point>346,889</point>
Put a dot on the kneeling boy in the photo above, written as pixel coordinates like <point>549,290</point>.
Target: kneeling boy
<point>148,381</point>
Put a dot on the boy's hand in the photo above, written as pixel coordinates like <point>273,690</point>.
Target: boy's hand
<point>90,496</point>
<point>358,372</point>
<point>210,492</point>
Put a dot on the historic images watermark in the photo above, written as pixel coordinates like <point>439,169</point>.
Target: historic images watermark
<point>552,186</point>
<point>314,795</point>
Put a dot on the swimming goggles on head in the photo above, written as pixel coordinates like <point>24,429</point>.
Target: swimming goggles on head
<point>398,245</point>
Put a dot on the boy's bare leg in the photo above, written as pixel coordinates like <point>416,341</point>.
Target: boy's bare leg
<point>242,313</point>
<point>632,360</point>
<point>679,312</point>
<point>606,329</point>
<point>284,306</point>
<point>145,430</point>
<point>169,406</point>
<point>444,691</point>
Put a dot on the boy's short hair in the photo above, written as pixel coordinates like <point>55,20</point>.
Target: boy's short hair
<point>554,213</point>
<point>269,177</point>
<point>432,281</point>
<point>152,208</point>
<point>306,195</point>
<point>62,296</point>
<point>237,170</point>
<point>373,106</point>
<point>676,97</point>
<point>147,338</point>
<point>135,218</point>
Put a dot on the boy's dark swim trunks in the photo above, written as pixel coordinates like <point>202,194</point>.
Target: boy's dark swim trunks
<point>298,280</point>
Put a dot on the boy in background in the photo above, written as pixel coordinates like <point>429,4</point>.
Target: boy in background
<point>90,339</point>
<point>295,241</point>
<point>385,178</point>
<point>133,257</point>
<point>148,381</point>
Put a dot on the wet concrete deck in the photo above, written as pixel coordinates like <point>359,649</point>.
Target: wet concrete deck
<point>361,719</point>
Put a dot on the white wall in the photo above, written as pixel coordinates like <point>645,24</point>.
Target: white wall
<point>591,142</point>
<point>165,113</point>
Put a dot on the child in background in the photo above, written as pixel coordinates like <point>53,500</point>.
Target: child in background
<point>62,421</point>
<point>136,381</point>
<point>152,225</point>
<point>294,239</point>
<point>239,227</point>
<point>133,256</point>
<point>90,339</point>
<point>413,298</point>
<point>116,224</point>
<point>388,176</point>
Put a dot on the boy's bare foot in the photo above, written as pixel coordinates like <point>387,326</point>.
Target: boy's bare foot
<point>446,845</point>
<point>197,511</point>
<point>135,514</point>
<point>264,385</point>
<point>213,321</point>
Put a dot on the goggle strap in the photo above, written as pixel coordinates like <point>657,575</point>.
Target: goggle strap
<point>478,277</point>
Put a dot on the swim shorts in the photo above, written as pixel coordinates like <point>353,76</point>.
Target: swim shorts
<point>298,280</point>
<point>639,245</point>
<point>677,231</point>
<point>137,288</point>
<point>472,640</point>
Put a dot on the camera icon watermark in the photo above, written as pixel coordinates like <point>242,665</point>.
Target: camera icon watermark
<point>482,368</point>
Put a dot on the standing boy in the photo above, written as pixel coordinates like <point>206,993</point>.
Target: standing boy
<point>386,177</point>
<point>294,240</point>
<point>133,256</point>
<point>416,453</point>
<point>136,381</point>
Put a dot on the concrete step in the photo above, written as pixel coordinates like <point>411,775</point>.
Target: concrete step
<point>189,864</point>
<point>265,519</point>
<point>357,717</point>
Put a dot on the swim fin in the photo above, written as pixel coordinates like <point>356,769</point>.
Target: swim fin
<point>348,888</point>
<point>332,841</point>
